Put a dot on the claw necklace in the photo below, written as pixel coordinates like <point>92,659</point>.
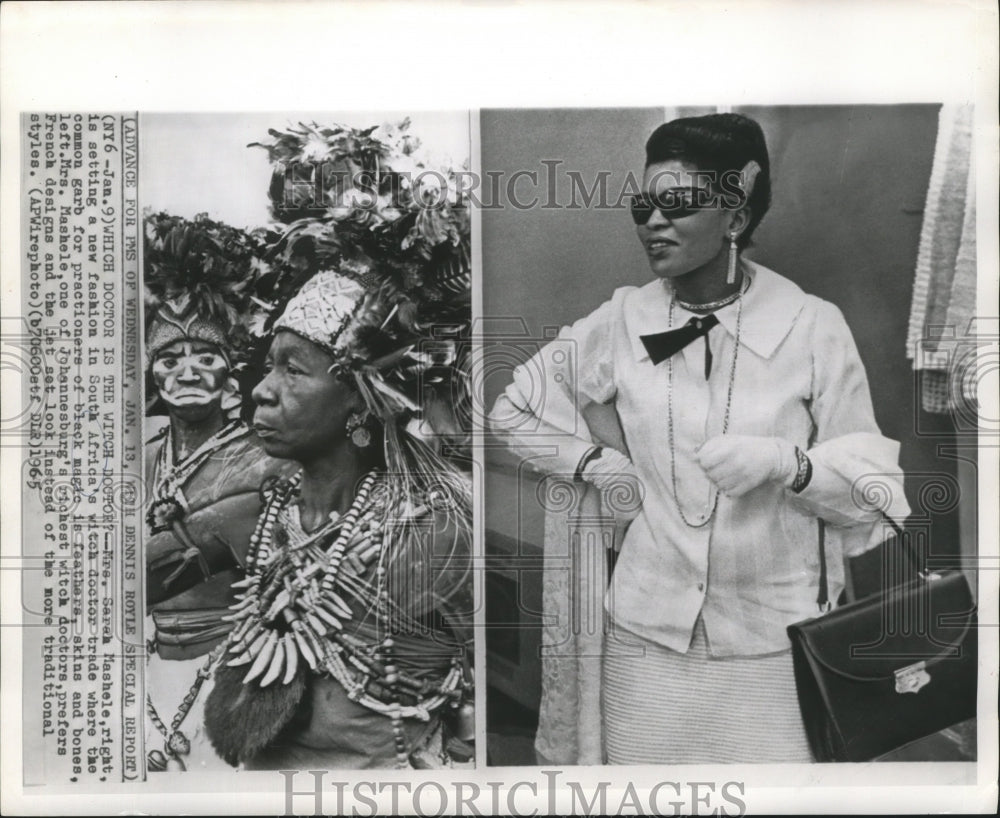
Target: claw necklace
<point>293,611</point>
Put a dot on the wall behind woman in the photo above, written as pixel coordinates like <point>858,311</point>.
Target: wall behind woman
<point>545,266</point>
<point>849,190</point>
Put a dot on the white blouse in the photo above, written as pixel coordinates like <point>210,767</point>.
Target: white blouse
<point>753,568</point>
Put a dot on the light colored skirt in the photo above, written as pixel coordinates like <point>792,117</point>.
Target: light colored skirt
<point>666,707</point>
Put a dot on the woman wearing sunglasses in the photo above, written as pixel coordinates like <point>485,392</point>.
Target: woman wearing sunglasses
<point>747,419</point>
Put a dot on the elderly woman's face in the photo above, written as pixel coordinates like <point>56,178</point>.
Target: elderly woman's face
<point>677,246</point>
<point>190,376</point>
<point>302,409</point>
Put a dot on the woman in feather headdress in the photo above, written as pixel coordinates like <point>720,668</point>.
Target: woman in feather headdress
<point>350,640</point>
<point>204,469</point>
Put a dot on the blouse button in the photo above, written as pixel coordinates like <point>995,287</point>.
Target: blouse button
<point>701,586</point>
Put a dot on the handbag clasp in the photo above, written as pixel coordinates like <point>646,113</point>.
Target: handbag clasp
<point>911,678</point>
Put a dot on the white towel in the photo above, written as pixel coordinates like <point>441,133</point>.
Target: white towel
<point>944,287</point>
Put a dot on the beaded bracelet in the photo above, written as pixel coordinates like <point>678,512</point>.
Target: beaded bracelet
<point>804,473</point>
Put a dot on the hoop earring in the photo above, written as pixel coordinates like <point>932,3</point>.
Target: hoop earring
<point>357,429</point>
<point>734,255</point>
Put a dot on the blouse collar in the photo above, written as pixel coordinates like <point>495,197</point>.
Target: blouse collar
<point>770,308</point>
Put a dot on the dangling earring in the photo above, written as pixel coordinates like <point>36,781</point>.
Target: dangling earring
<point>357,431</point>
<point>734,255</point>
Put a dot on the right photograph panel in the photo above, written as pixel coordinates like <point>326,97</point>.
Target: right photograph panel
<point>730,499</point>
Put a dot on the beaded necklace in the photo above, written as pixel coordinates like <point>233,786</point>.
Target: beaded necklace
<point>710,306</point>
<point>293,610</point>
<point>725,418</point>
<point>169,503</point>
<point>169,506</point>
<point>178,744</point>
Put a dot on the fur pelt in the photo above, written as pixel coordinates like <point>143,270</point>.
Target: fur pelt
<point>243,719</point>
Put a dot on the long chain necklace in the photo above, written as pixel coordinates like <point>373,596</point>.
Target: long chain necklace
<point>169,505</point>
<point>670,415</point>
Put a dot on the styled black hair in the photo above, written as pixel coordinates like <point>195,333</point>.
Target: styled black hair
<point>719,143</point>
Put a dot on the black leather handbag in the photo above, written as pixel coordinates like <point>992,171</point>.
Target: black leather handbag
<point>884,671</point>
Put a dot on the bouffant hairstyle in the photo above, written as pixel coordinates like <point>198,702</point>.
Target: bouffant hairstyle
<point>719,144</point>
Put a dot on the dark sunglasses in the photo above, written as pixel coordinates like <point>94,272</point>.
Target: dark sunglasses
<point>675,203</point>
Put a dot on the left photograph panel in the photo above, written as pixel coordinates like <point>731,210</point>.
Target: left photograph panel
<point>276,570</point>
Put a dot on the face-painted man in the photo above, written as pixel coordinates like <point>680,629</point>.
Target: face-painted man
<point>190,377</point>
<point>204,469</point>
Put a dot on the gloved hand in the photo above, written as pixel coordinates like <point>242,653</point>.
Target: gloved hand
<point>738,464</point>
<point>614,475</point>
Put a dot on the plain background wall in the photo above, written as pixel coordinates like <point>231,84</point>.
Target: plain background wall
<point>549,266</point>
<point>849,185</point>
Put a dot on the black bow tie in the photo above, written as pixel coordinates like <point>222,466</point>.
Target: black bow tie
<point>662,345</point>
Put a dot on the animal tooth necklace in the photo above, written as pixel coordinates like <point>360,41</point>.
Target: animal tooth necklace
<point>293,611</point>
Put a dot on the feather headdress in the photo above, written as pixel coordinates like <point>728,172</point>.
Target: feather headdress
<point>375,249</point>
<point>371,268</point>
<point>199,273</point>
<point>199,281</point>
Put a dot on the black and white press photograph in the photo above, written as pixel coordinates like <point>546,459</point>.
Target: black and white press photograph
<point>433,408</point>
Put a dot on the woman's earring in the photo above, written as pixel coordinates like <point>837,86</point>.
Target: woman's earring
<point>357,431</point>
<point>734,255</point>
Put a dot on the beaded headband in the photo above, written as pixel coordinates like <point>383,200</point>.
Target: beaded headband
<point>322,310</point>
<point>170,324</point>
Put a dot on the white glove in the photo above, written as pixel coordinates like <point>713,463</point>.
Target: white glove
<point>738,464</point>
<point>613,474</point>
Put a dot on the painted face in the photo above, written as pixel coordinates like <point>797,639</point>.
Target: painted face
<point>302,408</point>
<point>679,245</point>
<point>190,375</point>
